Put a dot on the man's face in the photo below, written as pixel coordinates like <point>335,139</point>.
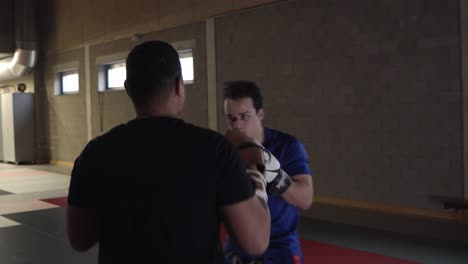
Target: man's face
<point>241,114</point>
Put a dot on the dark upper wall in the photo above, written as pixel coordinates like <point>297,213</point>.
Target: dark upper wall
<point>72,23</point>
<point>372,88</point>
<point>7,29</point>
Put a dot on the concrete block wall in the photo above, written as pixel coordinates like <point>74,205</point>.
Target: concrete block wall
<point>61,118</point>
<point>372,88</point>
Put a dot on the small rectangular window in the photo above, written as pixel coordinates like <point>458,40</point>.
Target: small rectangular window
<point>69,82</point>
<point>186,62</point>
<point>115,75</point>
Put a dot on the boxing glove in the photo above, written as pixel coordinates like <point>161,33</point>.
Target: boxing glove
<point>278,181</point>
<point>252,155</point>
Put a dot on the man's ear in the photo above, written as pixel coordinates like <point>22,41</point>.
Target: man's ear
<point>260,114</point>
<point>179,86</point>
<point>126,87</point>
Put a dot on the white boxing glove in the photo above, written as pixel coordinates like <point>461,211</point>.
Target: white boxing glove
<point>278,181</point>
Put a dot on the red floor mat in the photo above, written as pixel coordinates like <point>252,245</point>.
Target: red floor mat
<point>321,253</point>
<point>60,201</point>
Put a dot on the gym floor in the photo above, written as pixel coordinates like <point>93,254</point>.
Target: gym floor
<point>32,229</point>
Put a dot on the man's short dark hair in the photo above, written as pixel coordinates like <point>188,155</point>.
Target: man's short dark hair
<point>152,68</point>
<point>241,89</point>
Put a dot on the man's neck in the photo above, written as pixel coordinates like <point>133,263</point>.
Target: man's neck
<point>157,112</point>
<point>160,108</point>
<point>260,135</point>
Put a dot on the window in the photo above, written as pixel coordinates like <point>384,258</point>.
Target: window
<point>112,72</point>
<point>66,78</point>
<point>186,61</point>
<point>115,75</point>
<point>69,82</point>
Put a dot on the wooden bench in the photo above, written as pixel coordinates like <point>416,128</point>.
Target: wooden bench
<point>456,203</point>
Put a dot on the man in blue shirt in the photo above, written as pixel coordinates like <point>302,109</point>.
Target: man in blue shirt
<point>291,189</point>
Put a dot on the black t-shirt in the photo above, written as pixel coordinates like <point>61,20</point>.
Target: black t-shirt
<point>156,185</point>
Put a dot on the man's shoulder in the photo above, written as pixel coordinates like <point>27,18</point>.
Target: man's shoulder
<point>109,135</point>
<point>103,141</point>
<point>280,137</point>
<point>189,131</point>
<point>202,133</point>
<point>211,142</point>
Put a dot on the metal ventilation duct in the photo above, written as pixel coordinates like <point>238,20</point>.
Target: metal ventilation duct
<point>25,55</point>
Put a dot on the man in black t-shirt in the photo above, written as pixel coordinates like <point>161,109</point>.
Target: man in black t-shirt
<point>155,190</point>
